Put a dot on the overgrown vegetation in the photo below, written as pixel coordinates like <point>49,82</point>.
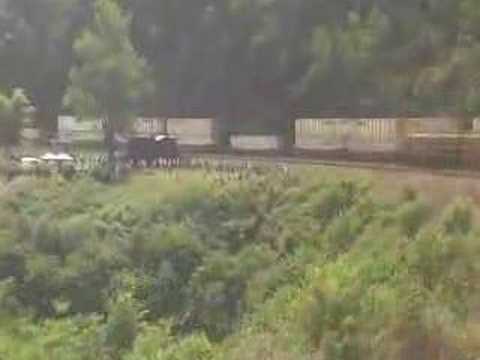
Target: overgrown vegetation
<point>186,265</point>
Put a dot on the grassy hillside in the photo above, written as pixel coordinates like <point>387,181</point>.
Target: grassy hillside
<point>191,265</point>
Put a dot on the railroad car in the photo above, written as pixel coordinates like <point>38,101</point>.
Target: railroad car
<point>152,150</point>
<point>256,144</point>
<point>443,150</point>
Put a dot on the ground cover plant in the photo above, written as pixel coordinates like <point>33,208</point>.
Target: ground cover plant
<point>190,264</point>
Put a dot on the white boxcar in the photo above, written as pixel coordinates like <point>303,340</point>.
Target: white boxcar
<point>367,134</point>
<point>150,126</point>
<point>354,134</point>
<point>72,129</point>
<point>192,132</point>
<point>256,142</point>
<point>69,127</point>
<point>431,125</point>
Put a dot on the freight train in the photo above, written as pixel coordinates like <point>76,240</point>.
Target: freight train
<point>435,141</point>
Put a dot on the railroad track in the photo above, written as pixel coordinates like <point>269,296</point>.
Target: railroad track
<point>370,165</point>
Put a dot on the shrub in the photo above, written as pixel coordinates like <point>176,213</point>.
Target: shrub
<point>68,172</point>
<point>265,346</point>
<point>87,275</point>
<point>12,113</point>
<point>409,194</point>
<point>43,170</point>
<point>74,232</point>
<point>175,244</point>
<point>67,339</point>
<point>333,319</point>
<point>334,200</point>
<point>9,304</point>
<point>457,218</point>
<point>101,173</point>
<point>123,324</point>
<point>46,236</point>
<point>196,347</point>
<point>164,293</point>
<point>342,233</point>
<point>445,265</point>
<point>152,342</point>
<point>411,216</point>
<point>12,265</point>
<point>41,284</point>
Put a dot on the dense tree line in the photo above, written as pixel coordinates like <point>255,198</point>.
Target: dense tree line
<point>263,60</point>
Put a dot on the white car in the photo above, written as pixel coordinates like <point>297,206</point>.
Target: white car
<point>56,161</point>
<point>29,163</point>
<point>60,157</point>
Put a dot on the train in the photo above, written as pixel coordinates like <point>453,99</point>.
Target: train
<point>425,141</point>
<point>151,150</point>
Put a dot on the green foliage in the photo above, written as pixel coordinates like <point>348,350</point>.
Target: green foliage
<point>247,269</point>
<point>157,343</point>
<point>458,218</point>
<point>152,342</point>
<point>411,217</point>
<point>13,111</point>
<point>330,203</point>
<point>409,194</point>
<point>122,325</point>
<point>195,347</point>
<point>36,50</point>
<point>110,77</point>
<point>377,56</point>
<point>72,339</point>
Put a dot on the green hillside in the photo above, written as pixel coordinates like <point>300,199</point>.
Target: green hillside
<point>193,265</point>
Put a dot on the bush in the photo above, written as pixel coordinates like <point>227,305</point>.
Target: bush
<point>46,237</point>
<point>68,172</point>
<point>342,233</point>
<point>67,339</point>
<point>152,342</point>
<point>123,324</point>
<point>87,276</point>
<point>74,232</point>
<point>196,347</point>
<point>458,218</point>
<point>41,285</point>
<point>102,173</point>
<point>409,194</point>
<point>411,216</point>
<point>43,170</point>
<point>333,319</point>
<point>334,200</point>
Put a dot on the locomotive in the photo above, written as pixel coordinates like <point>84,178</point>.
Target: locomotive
<point>152,150</point>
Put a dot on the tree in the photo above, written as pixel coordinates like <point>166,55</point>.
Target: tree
<point>36,39</point>
<point>265,61</point>
<point>13,110</point>
<point>110,78</point>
